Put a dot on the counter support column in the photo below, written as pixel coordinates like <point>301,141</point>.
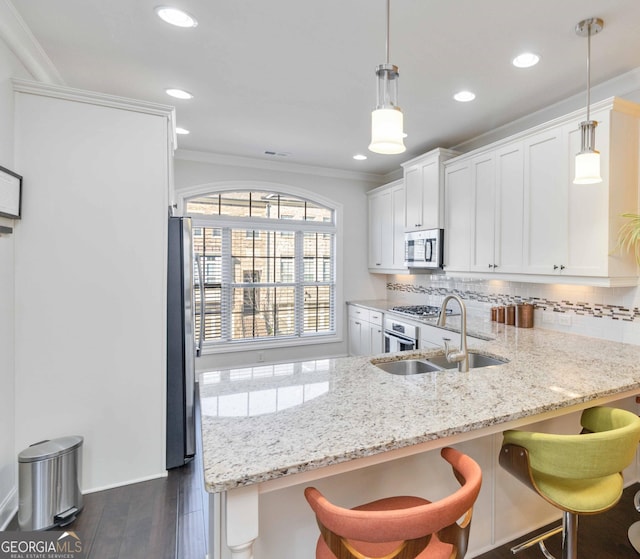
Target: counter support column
<point>233,523</point>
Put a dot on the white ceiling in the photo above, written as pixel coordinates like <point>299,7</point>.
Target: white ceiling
<point>298,76</point>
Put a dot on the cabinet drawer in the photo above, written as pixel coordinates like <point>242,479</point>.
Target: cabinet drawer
<point>375,317</point>
<point>432,335</point>
<point>358,313</point>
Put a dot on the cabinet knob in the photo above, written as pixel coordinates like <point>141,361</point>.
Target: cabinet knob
<point>490,265</point>
<point>555,267</point>
<point>418,225</point>
<point>495,266</point>
<point>562,266</point>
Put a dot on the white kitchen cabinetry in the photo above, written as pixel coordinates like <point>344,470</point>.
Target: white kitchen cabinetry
<point>483,213</point>
<point>528,221</point>
<point>595,211</point>
<point>496,231</point>
<point>546,186</point>
<point>386,228</point>
<point>457,222</point>
<point>365,331</point>
<point>571,229</point>
<point>424,190</point>
<point>432,337</point>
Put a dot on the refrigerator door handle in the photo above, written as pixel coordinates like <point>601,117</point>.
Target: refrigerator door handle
<point>201,311</point>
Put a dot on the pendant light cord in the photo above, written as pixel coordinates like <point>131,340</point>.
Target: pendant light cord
<point>588,71</point>
<point>387,44</point>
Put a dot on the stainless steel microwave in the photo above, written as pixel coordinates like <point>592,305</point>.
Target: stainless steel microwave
<point>424,249</point>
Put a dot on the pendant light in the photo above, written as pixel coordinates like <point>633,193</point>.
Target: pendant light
<point>387,135</point>
<point>587,165</point>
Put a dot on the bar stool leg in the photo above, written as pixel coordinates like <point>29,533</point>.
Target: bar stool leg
<point>634,529</point>
<point>569,536</point>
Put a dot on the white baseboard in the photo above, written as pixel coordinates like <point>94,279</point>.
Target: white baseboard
<point>122,484</point>
<point>8,509</point>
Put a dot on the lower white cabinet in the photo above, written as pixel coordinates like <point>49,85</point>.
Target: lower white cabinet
<point>365,331</point>
<point>432,337</point>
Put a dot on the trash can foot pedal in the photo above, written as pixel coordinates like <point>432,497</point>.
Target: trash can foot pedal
<point>67,517</point>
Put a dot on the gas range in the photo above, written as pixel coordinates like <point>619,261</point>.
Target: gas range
<point>421,311</point>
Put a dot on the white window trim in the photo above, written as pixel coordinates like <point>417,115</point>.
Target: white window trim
<point>224,186</point>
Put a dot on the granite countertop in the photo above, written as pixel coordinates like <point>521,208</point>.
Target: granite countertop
<point>264,422</point>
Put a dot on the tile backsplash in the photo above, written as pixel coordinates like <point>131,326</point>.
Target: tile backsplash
<point>610,313</point>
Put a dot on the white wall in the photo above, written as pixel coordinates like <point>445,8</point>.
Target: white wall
<point>90,283</point>
<point>9,66</point>
<point>348,189</point>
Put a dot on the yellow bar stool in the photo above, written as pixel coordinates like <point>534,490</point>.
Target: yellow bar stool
<point>579,474</point>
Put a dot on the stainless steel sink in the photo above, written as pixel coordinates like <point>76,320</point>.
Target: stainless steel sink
<point>476,360</point>
<point>408,367</point>
<point>436,363</point>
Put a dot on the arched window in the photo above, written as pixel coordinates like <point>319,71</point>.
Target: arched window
<point>265,266</point>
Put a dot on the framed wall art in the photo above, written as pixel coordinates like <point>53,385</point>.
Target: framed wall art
<point>10,194</point>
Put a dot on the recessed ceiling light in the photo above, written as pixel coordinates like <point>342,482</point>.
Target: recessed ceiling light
<point>179,93</point>
<point>526,60</point>
<point>176,17</point>
<point>181,130</point>
<point>359,157</point>
<point>464,96</point>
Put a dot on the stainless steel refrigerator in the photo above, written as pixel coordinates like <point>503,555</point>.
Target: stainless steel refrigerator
<point>181,439</point>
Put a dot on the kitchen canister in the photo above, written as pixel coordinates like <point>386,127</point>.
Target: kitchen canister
<point>524,315</point>
<point>494,314</point>
<point>510,315</point>
<point>500,315</point>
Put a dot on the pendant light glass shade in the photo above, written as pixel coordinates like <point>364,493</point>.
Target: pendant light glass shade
<point>387,132</point>
<point>387,135</point>
<point>587,169</point>
<point>587,165</point>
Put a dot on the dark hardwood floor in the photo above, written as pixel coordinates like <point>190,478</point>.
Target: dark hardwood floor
<point>167,518</point>
<point>159,519</point>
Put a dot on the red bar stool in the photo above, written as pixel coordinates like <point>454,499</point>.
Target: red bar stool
<point>401,527</point>
<point>579,474</point>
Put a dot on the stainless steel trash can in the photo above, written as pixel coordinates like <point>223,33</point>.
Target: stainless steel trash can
<point>49,483</point>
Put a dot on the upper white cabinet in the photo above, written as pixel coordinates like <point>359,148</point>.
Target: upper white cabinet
<point>546,188</point>
<point>526,216</point>
<point>594,211</point>
<point>386,228</point>
<point>457,221</point>
<point>497,208</point>
<point>509,209</point>
<point>424,190</point>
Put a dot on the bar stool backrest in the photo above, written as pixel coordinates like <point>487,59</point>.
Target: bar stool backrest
<point>409,527</point>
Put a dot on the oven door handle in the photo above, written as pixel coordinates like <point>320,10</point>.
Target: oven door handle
<point>394,334</point>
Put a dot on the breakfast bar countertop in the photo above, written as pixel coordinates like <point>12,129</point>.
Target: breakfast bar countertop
<point>264,422</point>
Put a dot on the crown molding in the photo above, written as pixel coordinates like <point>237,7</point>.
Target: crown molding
<point>240,161</point>
<point>25,46</point>
<point>625,85</point>
<point>91,97</point>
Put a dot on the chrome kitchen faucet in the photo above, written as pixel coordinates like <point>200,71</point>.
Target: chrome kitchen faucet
<point>461,356</point>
